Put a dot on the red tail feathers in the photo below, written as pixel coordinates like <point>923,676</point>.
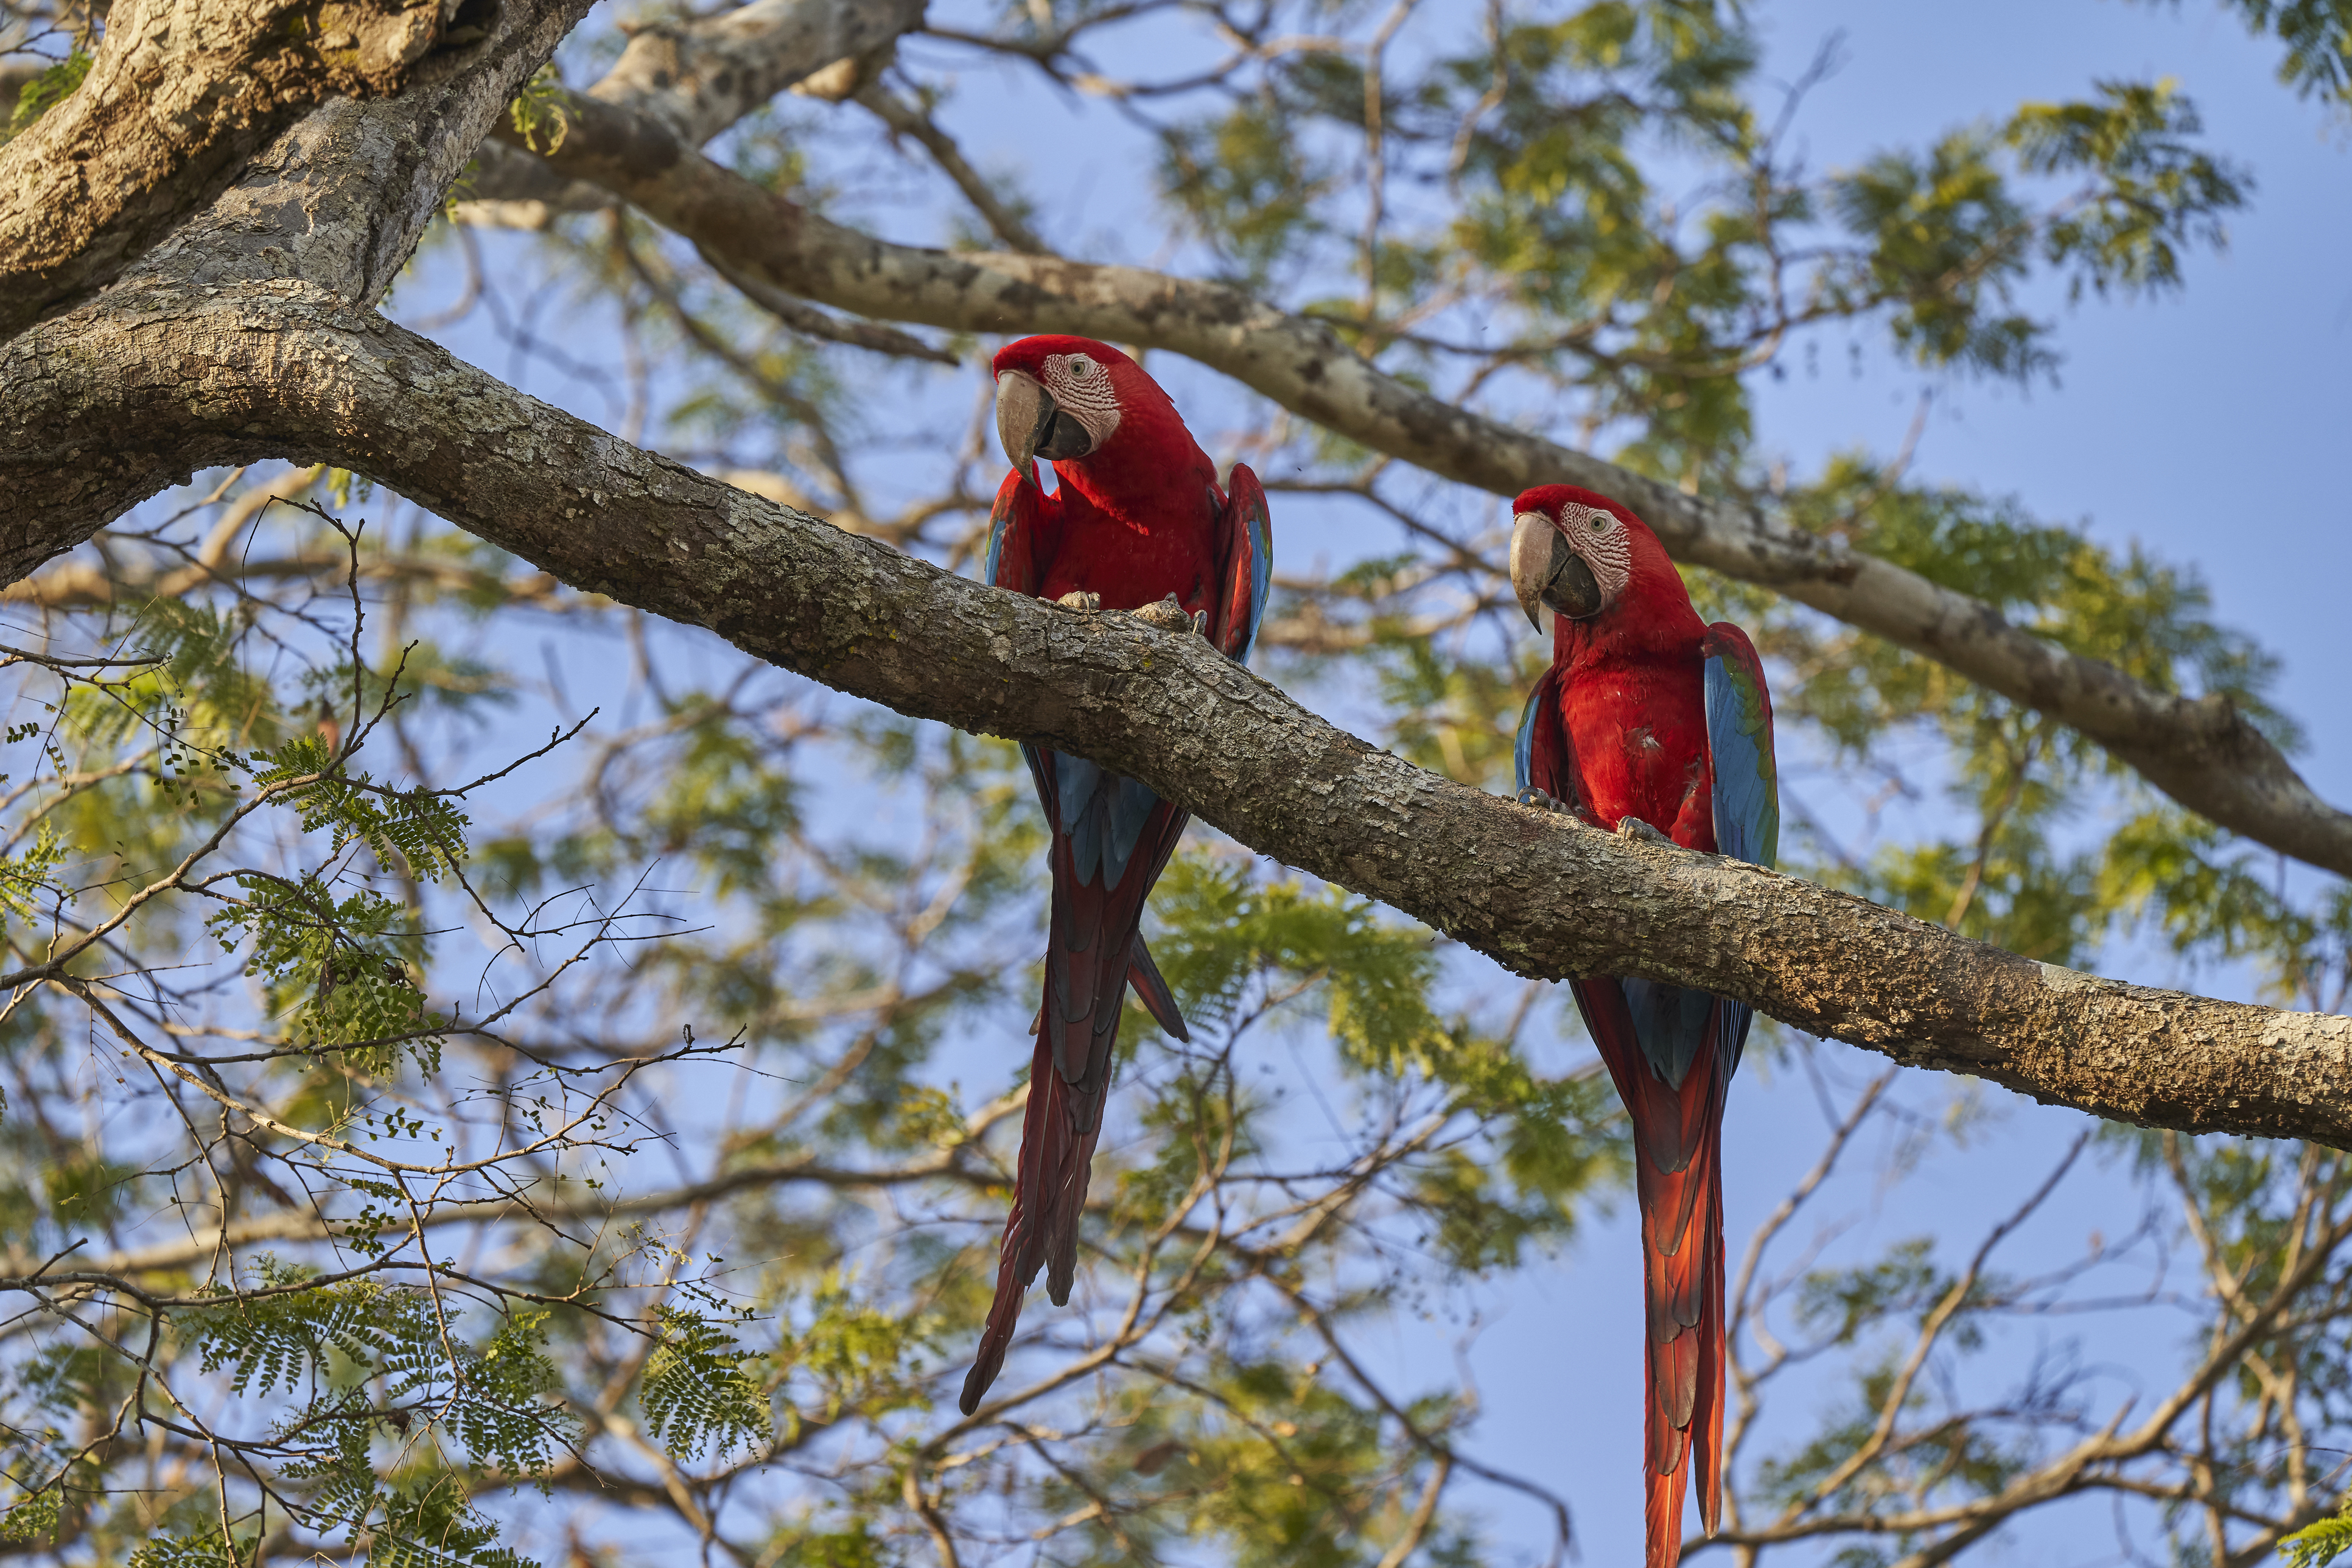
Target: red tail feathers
<point>1022,1251</point>
<point>1059,1131</point>
<point>1679,1182</point>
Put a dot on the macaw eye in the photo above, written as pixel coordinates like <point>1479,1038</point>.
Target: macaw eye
<point>1082,368</point>
<point>1603,523</point>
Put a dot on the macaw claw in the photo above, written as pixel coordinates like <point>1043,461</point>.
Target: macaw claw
<point>1168,616</point>
<point>1166,613</point>
<point>1079,599</point>
<point>1634,828</point>
<point>1543,801</point>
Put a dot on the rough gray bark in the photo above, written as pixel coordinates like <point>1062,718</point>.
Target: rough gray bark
<point>699,77</point>
<point>269,369</point>
<point>180,94</point>
<point>2201,752</point>
<point>696,79</point>
<point>326,214</point>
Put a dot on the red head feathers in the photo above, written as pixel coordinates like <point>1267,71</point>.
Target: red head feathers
<point>1092,412</point>
<point>1589,561</point>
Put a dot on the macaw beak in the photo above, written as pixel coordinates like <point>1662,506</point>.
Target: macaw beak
<point>1031,425</point>
<point>1548,576</point>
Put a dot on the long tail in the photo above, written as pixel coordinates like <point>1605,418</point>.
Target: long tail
<point>1057,1150</point>
<point>1045,1132</point>
<point>1679,1182</point>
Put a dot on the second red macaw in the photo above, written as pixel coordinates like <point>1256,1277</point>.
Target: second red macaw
<point>1648,715</point>
<point>1137,517</point>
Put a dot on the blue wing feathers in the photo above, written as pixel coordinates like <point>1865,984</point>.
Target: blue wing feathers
<point>1261,564</point>
<point>1130,810</point>
<point>1523,750</point>
<point>1670,1022</point>
<point>1247,530</point>
<point>997,524</point>
<point>1104,825</point>
<point>1539,757</point>
<point>1743,774</point>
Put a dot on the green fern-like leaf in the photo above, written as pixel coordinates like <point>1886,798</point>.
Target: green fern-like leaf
<point>47,91</point>
<point>417,826</point>
<point>697,1393</point>
<point>2317,1545</point>
<point>25,878</point>
<point>538,110</point>
<point>31,1518</point>
<point>432,1528</point>
<point>279,1341</point>
<point>186,1551</point>
<point>197,688</point>
<point>336,970</point>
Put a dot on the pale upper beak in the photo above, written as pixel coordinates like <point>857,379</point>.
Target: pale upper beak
<point>1548,577</point>
<point>1031,425</point>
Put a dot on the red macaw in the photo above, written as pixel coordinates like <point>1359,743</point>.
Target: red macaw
<point>1648,715</point>
<point>1137,517</point>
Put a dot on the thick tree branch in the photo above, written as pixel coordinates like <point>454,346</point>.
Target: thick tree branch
<point>699,76</point>
<point>208,377</point>
<point>329,210</point>
<point>180,95</point>
<point>2201,751</point>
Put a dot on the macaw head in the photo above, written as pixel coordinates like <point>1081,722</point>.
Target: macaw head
<point>1578,555</point>
<point>1063,398</point>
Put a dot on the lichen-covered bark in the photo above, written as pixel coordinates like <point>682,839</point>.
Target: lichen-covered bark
<point>2201,752</point>
<point>698,76</point>
<point>180,95</point>
<point>279,369</point>
<point>329,210</point>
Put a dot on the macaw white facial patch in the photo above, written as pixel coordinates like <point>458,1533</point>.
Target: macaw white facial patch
<point>1599,542</point>
<point>1083,389</point>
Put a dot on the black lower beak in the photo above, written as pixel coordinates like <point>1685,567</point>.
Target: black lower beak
<point>1573,592</point>
<point>1059,437</point>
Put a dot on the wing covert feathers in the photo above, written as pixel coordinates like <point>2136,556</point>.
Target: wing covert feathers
<point>1539,753</point>
<point>1013,525</point>
<point>1245,552</point>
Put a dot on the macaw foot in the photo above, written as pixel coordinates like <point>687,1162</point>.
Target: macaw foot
<point>1543,801</point>
<point>1200,623</point>
<point>1078,599</point>
<point>1167,615</point>
<point>1634,828</point>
